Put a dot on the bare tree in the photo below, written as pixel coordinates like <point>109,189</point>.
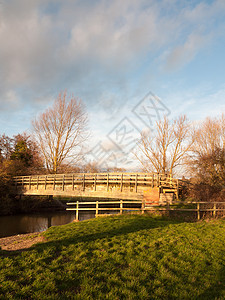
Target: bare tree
<point>6,146</point>
<point>60,132</point>
<point>209,135</point>
<point>207,160</point>
<point>167,148</point>
<point>208,148</point>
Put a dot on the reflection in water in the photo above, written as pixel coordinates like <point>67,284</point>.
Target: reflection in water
<point>19,224</point>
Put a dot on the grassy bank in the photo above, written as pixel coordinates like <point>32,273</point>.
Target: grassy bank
<point>121,257</point>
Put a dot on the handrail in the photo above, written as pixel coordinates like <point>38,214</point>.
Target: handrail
<point>121,208</point>
<point>198,209</point>
<point>153,179</point>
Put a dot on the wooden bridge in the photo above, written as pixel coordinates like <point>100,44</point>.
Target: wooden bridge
<point>150,189</point>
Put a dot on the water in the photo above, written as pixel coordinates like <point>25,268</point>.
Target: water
<point>28,223</point>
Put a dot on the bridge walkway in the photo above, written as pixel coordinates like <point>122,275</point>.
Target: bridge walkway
<point>151,189</point>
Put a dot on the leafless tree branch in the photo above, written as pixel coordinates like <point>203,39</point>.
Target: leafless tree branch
<point>60,131</point>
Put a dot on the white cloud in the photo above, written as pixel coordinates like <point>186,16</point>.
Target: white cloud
<point>97,48</point>
<point>199,26</point>
<point>185,53</point>
<point>24,38</point>
<point>11,99</point>
<point>197,103</point>
<point>40,48</point>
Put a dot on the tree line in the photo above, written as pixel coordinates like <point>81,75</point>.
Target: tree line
<point>176,147</point>
<point>194,150</point>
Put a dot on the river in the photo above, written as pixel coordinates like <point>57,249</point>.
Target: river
<point>28,223</point>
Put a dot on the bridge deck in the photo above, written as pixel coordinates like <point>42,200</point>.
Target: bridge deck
<point>134,186</point>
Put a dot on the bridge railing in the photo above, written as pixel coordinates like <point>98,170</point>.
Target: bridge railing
<point>99,206</point>
<point>121,179</point>
<point>202,210</point>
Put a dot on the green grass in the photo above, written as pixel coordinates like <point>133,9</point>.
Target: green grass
<point>120,257</point>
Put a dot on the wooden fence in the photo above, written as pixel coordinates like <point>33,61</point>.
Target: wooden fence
<point>82,206</point>
<point>135,179</point>
<point>118,206</point>
<point>199,208</point>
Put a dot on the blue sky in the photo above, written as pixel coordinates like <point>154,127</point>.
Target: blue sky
<point>110,54</point>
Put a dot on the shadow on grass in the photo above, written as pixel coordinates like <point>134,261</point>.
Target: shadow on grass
<point>102,229</point>
<point>217,290</point>
<point>133,225</point>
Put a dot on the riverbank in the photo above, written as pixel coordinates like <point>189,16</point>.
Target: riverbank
<point>21,241</point>
<point>120,257</point>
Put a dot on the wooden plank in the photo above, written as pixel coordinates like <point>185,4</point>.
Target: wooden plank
<point>77,211</point>
<point>104,202</point>
<point>96,213</point>
<point>121,207</point>
<point>105,208</point>
<point>45,182</point>
<point>198,211</point>
<point>107,182</point>
<point>63,182</point>
<point>83,182</point>
<point>214,210</point>
<point>136,182</point>
<point>180,209</point>
<point>121,183</point>
<point>95,182</point>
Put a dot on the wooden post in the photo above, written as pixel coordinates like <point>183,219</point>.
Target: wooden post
<point>63,182</point>
<point>152,180</point>
<point>214,210</point>
<point>37,182</point>
<point>143,206</point>
<point>177,192</point>
<point>54,183</point>
<point>73,182</point>
<point>45,181</point>
<point>96,213</point>
<point>77,211</point>
<point>136,182</point>
<point>84,182</point>
<point>22,182</point>
<point>121,206</point>
<point>29,182</point>
<point>121,183</point>
<point>107,182</point>
<point>95,182</point>
<point>198,211</point>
